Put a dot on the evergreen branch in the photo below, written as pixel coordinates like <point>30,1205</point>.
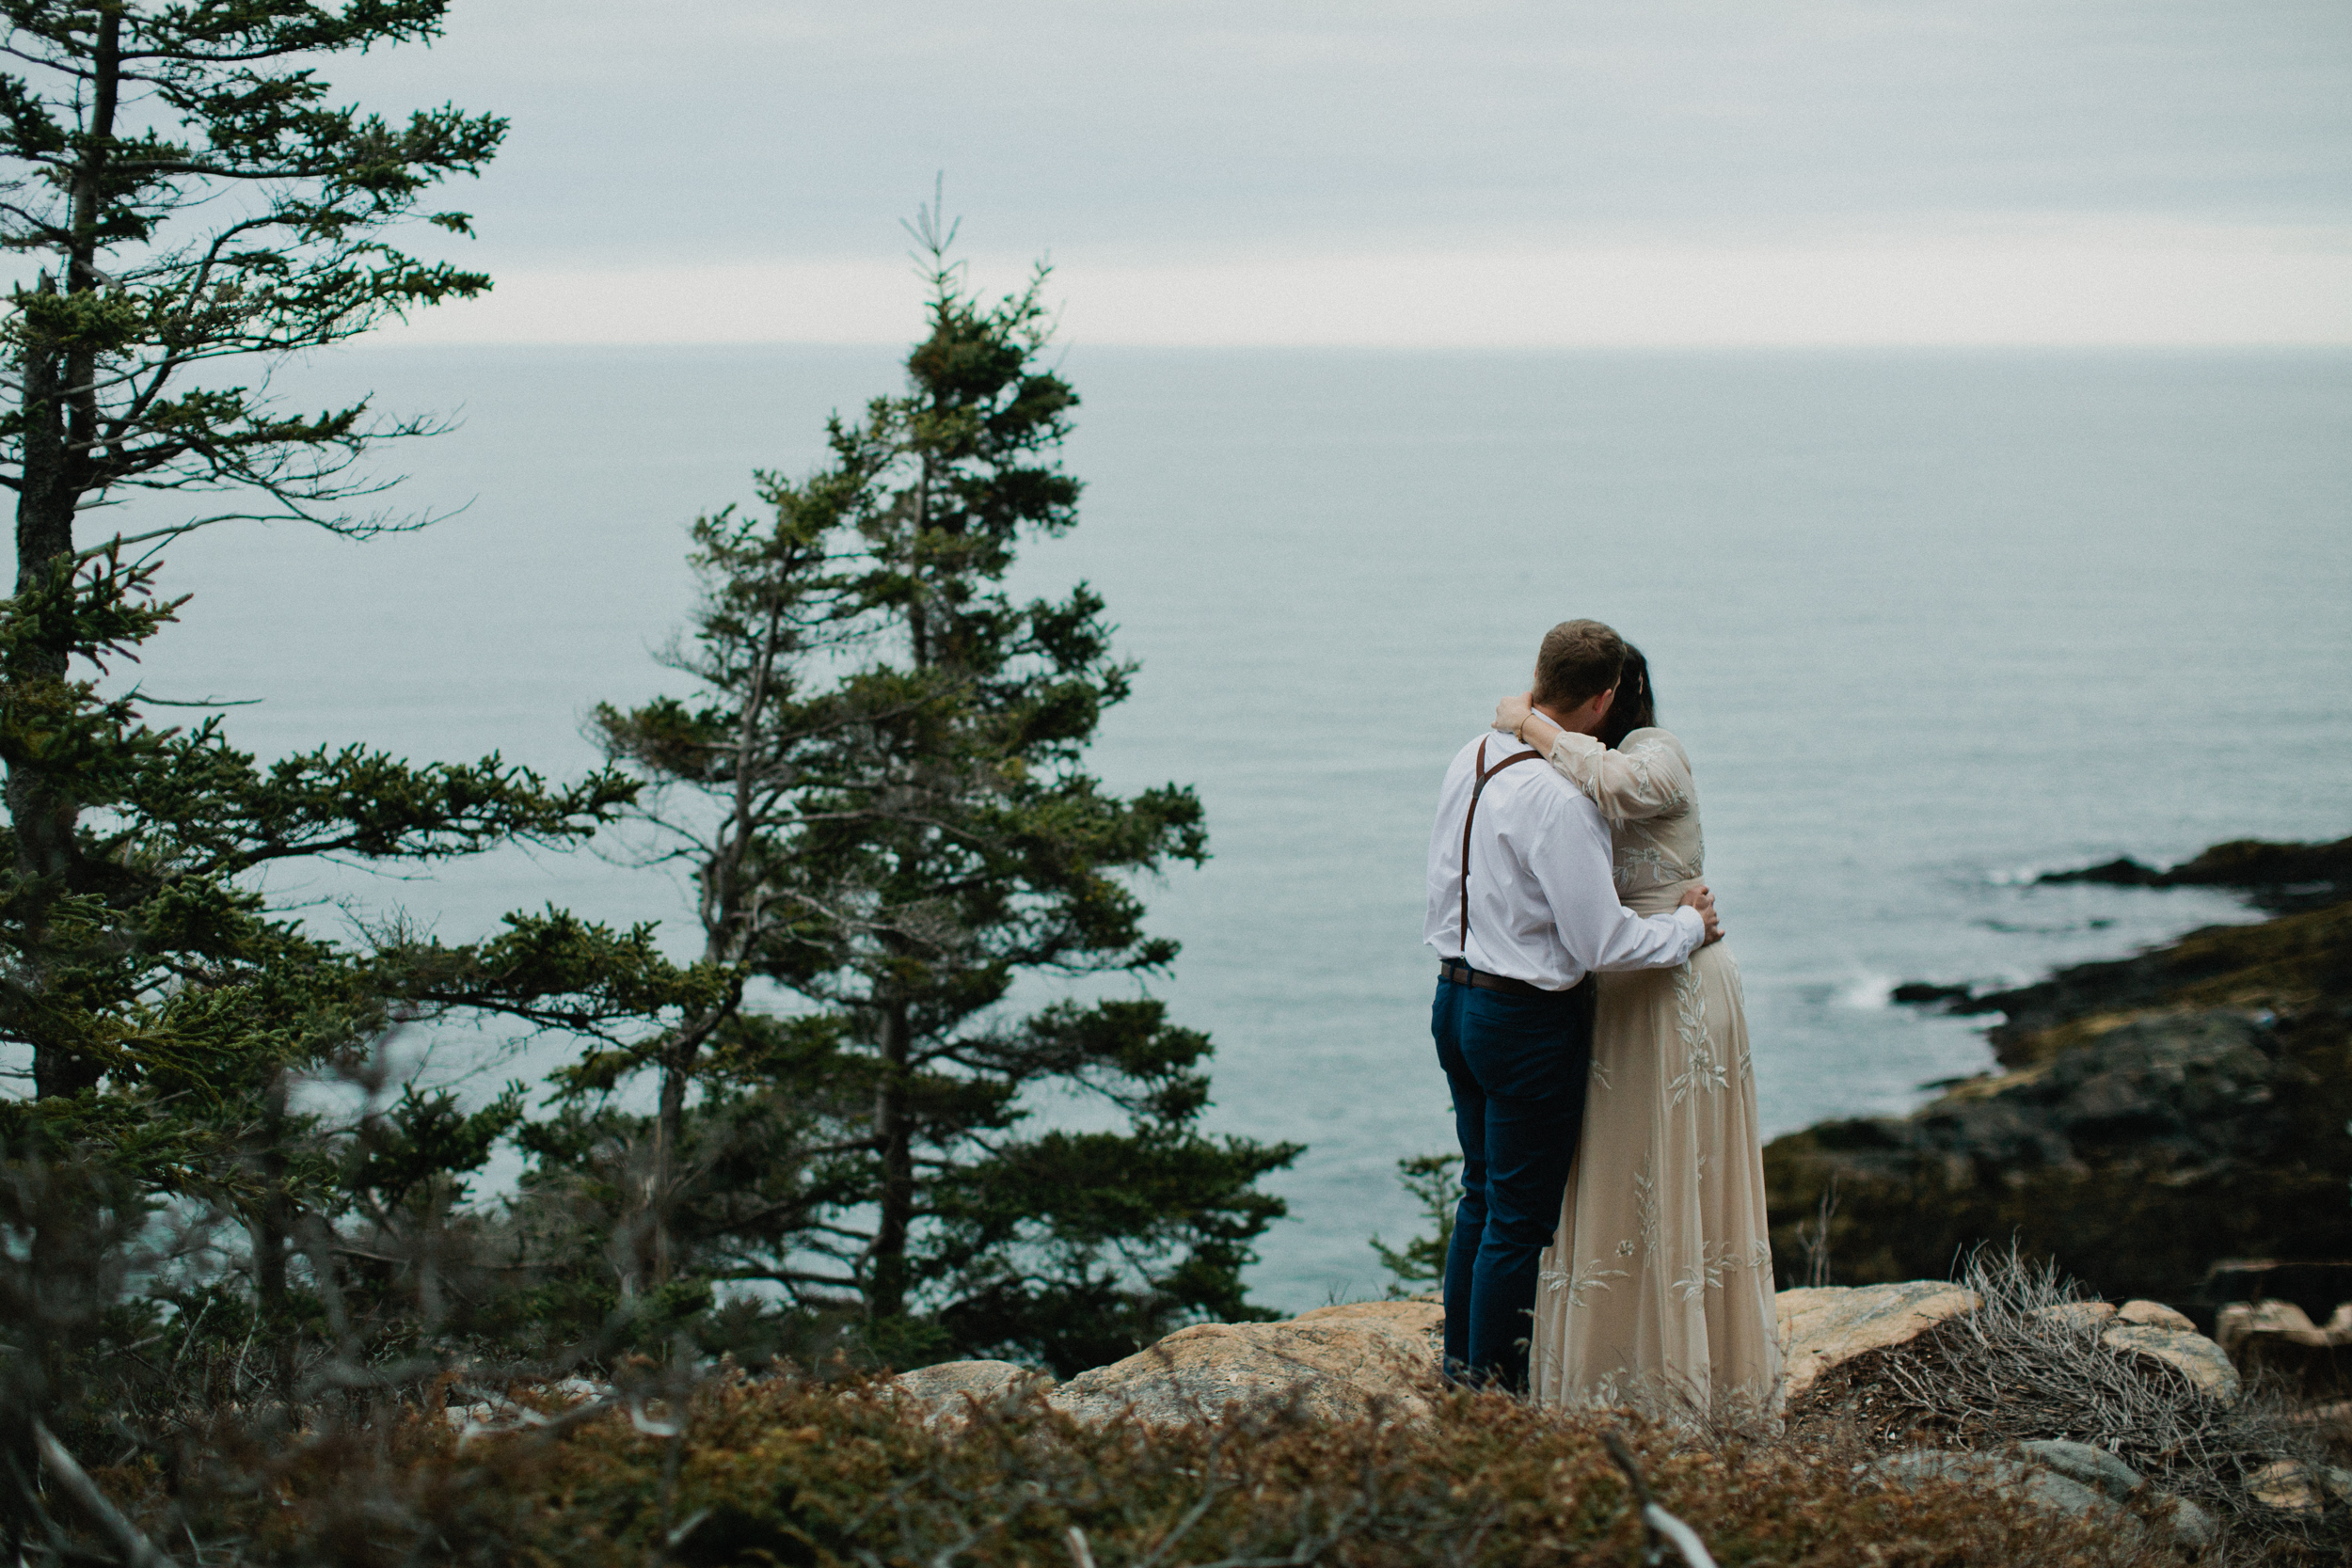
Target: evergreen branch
<point>176,529</point>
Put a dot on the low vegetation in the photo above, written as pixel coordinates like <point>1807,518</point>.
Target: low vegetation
<point>786,1470</point>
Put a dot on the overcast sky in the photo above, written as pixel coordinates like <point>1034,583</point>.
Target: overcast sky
<point>1368,172</point>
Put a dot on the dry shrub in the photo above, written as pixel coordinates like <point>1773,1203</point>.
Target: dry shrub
<point>2031,1364</point>
<point>783,1470</point>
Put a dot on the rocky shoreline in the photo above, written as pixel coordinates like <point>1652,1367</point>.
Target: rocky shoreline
<point>2164,1122</point>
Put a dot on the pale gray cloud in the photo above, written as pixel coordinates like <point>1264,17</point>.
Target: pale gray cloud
<point>751,125</point>
<point>772,132</point>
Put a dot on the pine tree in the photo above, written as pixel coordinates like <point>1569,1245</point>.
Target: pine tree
<point>1434,1181</point>
<point>202,210</point>
<point>882,786</point>
<point>774,603</point>
<point>197,201</point>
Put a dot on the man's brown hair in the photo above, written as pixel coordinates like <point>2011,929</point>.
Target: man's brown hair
<point>1578,660</point>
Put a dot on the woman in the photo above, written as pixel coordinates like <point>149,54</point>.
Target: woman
<point>1658,1289</point>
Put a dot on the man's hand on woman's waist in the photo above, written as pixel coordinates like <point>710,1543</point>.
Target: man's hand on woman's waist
<point>1700,899</point>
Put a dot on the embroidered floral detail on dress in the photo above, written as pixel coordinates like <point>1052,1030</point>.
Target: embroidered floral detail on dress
<point>1746,1065</point>
<point>1625,1248</point>
<point>1760,1254</point>
<point>1704,1272</point>
<point>1645,1203</point>
<point>1701,1070</point>
<point>1601,1073</point>
<point>1630,860</point>
<point>1592,1277</point>
<point>1667,797</point>
<point>1636,791</point>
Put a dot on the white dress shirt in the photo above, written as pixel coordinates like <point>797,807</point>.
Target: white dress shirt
<point>1543,906</point>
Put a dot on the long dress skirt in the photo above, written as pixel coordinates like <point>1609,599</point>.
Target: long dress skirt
<point>1658,1289</point>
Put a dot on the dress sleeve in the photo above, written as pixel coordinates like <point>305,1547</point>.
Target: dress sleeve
<point>1648,778</point>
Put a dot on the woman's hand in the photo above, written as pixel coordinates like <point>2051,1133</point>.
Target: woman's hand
<point>1512,712</point>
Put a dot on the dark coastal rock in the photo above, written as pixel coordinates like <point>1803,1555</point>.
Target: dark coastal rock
<point>1919,993</point>
<point>2161,1111</point>
<point>2281,877</point>
<point>2115,873</point>
<point>2195,1086</point>
<point>2280,965</point>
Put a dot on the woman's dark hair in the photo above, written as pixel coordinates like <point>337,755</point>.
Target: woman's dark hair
<point>1636,707</point>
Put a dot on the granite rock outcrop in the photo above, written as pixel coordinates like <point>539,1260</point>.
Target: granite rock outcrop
<point>1375,1358</point>
<point>1826,1326</point>
<point>2279,1337</point>
<point>1381,1357</point>
<point>1337,1363</point>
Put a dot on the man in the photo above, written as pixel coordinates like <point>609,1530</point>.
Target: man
<point>1523,911</point>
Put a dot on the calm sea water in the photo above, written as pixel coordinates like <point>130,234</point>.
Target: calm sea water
<point>1928,622</point>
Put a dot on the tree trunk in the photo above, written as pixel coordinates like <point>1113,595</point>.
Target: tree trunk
<point>60,432</point>
<point>41,807</point>
<point>669,1125</point>
<point>887,1271</point>
<point>271,1225</point>
<point>894,1130</point>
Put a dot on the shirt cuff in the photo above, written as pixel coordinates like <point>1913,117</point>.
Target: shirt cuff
<point>1693,923</point>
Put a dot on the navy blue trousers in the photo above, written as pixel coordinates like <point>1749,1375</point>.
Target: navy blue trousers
<point>1517,1066</point>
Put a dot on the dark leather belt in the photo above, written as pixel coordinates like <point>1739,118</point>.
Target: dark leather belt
<point>1463,975</point>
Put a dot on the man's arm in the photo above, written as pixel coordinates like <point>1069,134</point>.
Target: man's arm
<point>1599,932</point>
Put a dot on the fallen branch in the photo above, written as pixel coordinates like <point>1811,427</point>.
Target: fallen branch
<point>135,1548</point>
<point>1655,1520</point>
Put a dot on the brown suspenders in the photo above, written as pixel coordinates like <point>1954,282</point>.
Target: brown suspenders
<point>1470,815</point>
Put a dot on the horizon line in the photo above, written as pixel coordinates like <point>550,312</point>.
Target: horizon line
<point>393,339</point>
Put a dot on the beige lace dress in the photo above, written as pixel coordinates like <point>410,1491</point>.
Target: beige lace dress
<point>1658,1289</point>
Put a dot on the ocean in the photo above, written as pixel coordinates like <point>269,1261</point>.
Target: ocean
<point>1930,623</point>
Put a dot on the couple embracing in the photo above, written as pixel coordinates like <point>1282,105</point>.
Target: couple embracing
<point>1610,1243</point>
